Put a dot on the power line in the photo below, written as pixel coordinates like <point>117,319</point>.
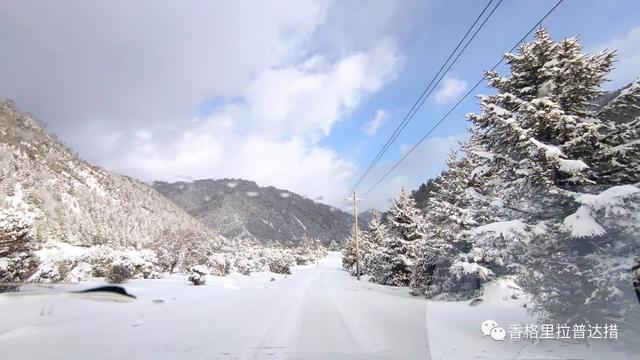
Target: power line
<point>461,100</point>
<point>418,104</point>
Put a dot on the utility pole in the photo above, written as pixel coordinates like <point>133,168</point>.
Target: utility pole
<point>317,253</point>
<point>355,216</point>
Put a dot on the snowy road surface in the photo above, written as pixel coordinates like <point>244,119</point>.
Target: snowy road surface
<point>318,312</point>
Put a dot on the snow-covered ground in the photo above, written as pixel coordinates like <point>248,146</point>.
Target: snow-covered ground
<point>318,312</point>
<point>455,331</point>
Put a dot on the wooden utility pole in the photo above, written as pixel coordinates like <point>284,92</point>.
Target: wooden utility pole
<point>317,252</point>
<point>355,216</point>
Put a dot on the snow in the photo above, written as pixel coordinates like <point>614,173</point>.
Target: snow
<point>480,171</point>
<point>268,223</point>
<point>252,193</point>
<point>635,86</point>
<point>92,183</point>
<point>318,312</point>
<point>624,147</point>
<point>499,111</point>
<point>300,222</point>
<point>455,333</point>
<point>507,229</point>
<point>572,166</point>
<point>540,228</point>
<point>473,194</point>
<point>201,269</point>
<point>470,268</point>
<point>613,196</point>
<point>483,154</point>
<point>549,150</point>
<point>581,224</point>
<point>16,200</point>
<point>71,203</point>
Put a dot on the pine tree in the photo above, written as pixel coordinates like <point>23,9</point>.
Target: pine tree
<point>450,211</point>
<point>376,235</point>
<point>17,261</point>
<point>550,181</point>
<point>400,249</point>
<point>349,252</point>
<point>618,163</point>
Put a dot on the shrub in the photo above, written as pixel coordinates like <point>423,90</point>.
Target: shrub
<point>279,265</point>
<point>198,275</point>
<point>118,274</point>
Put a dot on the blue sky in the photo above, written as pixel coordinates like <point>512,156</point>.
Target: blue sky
<point>276,92</point>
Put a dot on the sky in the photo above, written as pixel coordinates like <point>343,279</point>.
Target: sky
<point>297,94</point>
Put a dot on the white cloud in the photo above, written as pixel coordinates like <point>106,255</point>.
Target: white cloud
<point>123,85</point>
<point>308,98</point>
<point>627,60</point>
<point>450,89</point>
<point>371,127</point>
<point>271,134</point>
<point>98,68</point>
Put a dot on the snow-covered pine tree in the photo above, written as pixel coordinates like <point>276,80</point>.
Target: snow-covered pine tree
<point>17,262</point>
<point>333,246</point>
<point>449,213</point>
<point>349,251</point>
<point>546,138</point>
<point>376,235</point>
<point>400,249</point>
<point>618,163</point>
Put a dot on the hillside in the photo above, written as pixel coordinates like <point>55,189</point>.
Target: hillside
<point>241,209</point>
<point>68,206</point>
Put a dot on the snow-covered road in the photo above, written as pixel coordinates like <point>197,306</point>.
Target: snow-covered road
<point>318,312</point>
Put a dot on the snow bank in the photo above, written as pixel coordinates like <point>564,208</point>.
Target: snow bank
<point>454,329</point>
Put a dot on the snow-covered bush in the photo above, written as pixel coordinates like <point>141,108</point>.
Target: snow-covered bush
<point>243,266</point>
<point>198,275</point>
<point>303,259</point>
<point>280,263</point>
<point>16,269</point>
<point>333,246</point>
<point>118,274</point>
<point>220,264</point>
<point>140,263</point>
<point>17,262</point>
<point>80,272</point>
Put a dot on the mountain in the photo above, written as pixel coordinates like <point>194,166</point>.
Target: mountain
<point>63,205</point>
<point>241,209</point>
<point>364,218</point>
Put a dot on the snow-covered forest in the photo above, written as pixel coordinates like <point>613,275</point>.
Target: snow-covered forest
<point>544,192</point>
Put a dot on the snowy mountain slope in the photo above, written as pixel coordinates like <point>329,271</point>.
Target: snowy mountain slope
<point>64,200</point>
<point>242,209</point>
